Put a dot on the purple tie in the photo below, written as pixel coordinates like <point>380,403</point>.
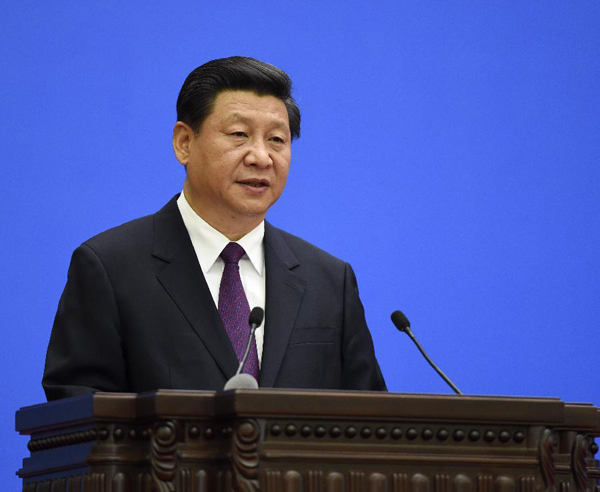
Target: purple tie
<point>234,309</point>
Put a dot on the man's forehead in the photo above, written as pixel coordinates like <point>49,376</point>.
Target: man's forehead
<point>246,105</point>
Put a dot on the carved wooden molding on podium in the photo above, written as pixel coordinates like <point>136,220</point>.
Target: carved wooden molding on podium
<point>302,441</point>
<point>244,455</point>
<point>162,456</point>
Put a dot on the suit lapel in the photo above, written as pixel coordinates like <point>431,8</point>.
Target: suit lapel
<point>183,279</point>
<point>284,295</point>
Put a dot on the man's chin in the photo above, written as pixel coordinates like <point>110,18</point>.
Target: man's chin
<point>253,213</point>
<point>254,207</point>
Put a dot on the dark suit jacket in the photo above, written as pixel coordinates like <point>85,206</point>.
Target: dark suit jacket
<point>136,315</point>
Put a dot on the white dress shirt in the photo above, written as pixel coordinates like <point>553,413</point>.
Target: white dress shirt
<point>208,244</point>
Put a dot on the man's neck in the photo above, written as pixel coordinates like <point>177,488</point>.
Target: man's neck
<point>233,228</point>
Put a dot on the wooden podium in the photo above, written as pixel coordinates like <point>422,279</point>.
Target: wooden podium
<point>309,441</point>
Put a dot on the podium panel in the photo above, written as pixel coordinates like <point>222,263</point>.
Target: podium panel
<point>309,441</point>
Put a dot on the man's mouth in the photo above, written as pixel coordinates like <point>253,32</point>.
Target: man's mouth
<point>255,183</point>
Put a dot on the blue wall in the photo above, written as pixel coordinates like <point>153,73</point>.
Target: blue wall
<point>450,153</point>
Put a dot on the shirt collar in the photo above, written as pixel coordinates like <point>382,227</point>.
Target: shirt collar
<point>208,242</point>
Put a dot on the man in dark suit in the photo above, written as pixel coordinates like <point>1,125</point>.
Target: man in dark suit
<point>163,301</point>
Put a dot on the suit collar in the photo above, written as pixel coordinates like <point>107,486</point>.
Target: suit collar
<point>275,242</point>
<point>170,233</point>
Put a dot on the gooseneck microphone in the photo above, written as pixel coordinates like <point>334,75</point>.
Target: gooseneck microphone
<point>401,322</point>
<point>242,380</point>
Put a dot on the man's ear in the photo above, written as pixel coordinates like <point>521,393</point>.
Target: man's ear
<point>182,139</point>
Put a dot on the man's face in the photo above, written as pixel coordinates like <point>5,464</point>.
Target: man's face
<point>238,164</point>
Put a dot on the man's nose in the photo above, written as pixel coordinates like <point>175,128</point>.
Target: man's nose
<point>258,155</point>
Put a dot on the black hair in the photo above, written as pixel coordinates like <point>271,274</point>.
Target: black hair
<point>236,73</point>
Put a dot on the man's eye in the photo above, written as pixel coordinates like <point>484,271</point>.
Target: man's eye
<point>278,139</point>
<point>238,134</point>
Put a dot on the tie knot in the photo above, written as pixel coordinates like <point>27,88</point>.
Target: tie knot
<point>232,253</point>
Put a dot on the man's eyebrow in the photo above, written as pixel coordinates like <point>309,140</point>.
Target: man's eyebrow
<point>240,117</point>
<point>236,117</point>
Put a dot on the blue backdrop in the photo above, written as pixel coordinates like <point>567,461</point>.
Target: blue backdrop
<point>450,153</point>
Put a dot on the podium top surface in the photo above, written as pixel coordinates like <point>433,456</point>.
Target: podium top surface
<point>360,405</point>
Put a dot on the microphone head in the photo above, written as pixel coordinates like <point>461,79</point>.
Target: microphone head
<point>256,316</point>
<point>241,381</point>
<point>400,321</point>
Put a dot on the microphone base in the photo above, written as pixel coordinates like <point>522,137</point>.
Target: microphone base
<point>241,381</point>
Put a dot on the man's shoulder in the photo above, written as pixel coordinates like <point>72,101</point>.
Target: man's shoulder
<point>132,236</point>
<point>133,231</point>
<point>303,250</point>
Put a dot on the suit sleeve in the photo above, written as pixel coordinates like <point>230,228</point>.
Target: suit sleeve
<point>360,369</point>
<point>85,351</point>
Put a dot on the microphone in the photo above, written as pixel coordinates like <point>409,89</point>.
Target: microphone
<point>242,380</point>
<point>401,322</point>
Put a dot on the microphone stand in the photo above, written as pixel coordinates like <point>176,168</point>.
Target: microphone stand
<point>402,324</point>
<point>242,380</point>
<point>437,369</point>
